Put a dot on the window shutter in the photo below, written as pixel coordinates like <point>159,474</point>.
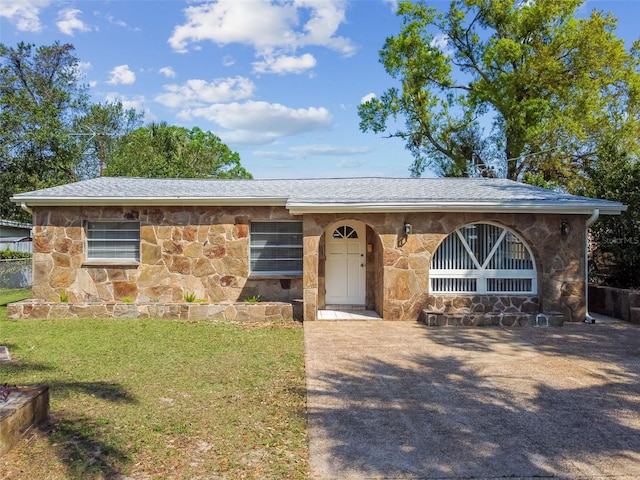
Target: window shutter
<point>483,258</point>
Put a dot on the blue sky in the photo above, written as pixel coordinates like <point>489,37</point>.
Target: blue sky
<point>278,81</point>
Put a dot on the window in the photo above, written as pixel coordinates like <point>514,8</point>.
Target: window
<point>113,241</point>
<point>482,258</point>
<point>276,248</point>
<point>345,231</point>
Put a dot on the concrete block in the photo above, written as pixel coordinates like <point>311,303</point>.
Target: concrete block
<point>25,407</point>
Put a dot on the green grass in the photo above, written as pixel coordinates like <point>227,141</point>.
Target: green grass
<point>159,399</point>
<point>13,295</point>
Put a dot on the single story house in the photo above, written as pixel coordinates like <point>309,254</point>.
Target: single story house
<point>394,245</point>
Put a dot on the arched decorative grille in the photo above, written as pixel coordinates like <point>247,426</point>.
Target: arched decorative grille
<point>483,258</point>
<point>345,231</point>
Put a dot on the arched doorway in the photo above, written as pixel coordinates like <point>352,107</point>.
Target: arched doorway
<point>345,264</point>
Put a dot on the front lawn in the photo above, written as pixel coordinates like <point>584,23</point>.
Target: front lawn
<point>151,399</point>
<point>13,295</point>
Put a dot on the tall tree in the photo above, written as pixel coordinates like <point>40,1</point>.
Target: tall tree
<point>615,256</point>
<point>542,85</point>
<point>99,133</point>
<point>162,150</point>
<point>40,96</point>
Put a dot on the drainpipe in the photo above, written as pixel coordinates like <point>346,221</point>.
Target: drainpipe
<point>25,208</point>
<point>590,221</point>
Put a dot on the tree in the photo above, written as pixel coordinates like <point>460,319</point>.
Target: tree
<point>40,96</point>
<point>99,133</point>
<point>616,239</point>
<point>529,77</point>
<point>161,150</point>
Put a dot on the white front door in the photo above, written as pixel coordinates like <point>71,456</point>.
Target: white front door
<point>345,266</point>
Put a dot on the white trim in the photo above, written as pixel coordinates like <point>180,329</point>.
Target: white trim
<point>151,201</point>
<point>299,208</point>
<point>296,208</point>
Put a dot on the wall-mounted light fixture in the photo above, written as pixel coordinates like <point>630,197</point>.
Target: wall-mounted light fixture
<point>565,229</point>
<point>407,228</point>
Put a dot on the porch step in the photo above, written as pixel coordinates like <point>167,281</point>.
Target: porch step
<point>343,314</point>
<point>515,319</point>
<point>346,308</point>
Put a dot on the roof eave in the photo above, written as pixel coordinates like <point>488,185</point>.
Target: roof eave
<point>299,208</point>
<point>148,201</point>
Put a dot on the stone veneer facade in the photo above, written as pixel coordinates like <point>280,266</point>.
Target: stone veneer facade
<point>205,251</point>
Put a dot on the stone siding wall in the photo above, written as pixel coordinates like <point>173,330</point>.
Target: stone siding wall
<point>183,250</point>
<point>483,304</point>
<point>205,251</point>
<point>403,285</point>
<point>614,302</point>
<point>235,312</point>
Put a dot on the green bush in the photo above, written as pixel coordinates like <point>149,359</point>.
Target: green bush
<point>10,255</point>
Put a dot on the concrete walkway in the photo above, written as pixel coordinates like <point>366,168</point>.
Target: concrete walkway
<point>397,400</point>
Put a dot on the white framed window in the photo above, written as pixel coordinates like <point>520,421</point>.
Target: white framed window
<point>108,241</point>
<point>276,248</point>
<point>483,258</point>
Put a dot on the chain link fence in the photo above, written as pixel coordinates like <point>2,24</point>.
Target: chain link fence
<point>15,273</point>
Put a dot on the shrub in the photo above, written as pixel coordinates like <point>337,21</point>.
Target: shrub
<point>11,255</point>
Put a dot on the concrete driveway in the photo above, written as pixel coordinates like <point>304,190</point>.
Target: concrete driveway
<point>398,400</point>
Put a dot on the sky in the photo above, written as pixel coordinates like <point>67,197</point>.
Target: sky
<point>278,81</point>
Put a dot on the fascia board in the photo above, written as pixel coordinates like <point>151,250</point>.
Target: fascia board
<point>297,208</point>
<point>147,201</point>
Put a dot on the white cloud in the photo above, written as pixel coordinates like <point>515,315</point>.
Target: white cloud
<point>393,4</point>
<point>24,14</point>
<point>138,103</point>
<point>326,17</point>
<point>84,67</point>
<point>257,23</point>
<point>441,41</point>
<point>523,3</point>
<point>113,20</point>
<point>228,60</point>
<point>272,28</point>
<point>68,21</point>
<point>304,151</point>
<point>285,64</point>
<point>121,75</point>
<point>258,123</point>
<point>168,72</point>
<point>350,163</point>
<point>197,93</point>
<point>367,97</point>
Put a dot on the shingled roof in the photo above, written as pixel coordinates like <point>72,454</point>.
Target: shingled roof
<point>323,194</point>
